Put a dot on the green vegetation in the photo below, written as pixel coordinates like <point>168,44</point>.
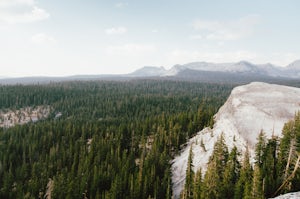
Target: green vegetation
<point>112,140</point>
<point>276,169</point>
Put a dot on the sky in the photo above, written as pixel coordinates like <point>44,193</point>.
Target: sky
<point>71,37</point>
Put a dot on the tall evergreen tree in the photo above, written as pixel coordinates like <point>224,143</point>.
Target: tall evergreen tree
<point>257,191</point>
<point>231,173</point>
<point>269,167</point>
<point>197,185</point>
<point>244,183</point>
<point>189,178</point>
<point>212,183</point>
<point>289,157</point>
<point>259,148</point>
<point>285,154</point>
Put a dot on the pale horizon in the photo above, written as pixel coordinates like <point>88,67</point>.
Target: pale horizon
<point>58,39</point>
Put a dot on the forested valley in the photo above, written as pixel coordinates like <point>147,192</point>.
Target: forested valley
<point>102,139</point>
<point>116,139</point>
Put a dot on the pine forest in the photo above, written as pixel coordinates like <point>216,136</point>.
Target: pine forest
<point>116,139</point>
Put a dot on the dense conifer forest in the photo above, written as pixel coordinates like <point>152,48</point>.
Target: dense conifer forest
<point>109,139</point>
<point>103,139</point>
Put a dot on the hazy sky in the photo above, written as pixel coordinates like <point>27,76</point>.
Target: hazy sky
<point>67,37</point>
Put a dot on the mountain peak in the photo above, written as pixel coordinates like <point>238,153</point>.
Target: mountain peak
<point>148,71</point>
<point>294,65</point>
<point>243,62</point>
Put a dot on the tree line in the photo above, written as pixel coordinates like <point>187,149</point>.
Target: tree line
<point>275,171</point>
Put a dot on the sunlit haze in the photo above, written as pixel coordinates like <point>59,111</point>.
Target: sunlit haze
<point>61,38</point>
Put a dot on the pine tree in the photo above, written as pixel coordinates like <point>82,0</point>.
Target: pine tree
<point>189,178</point>
<point>243,185</point>
<point>220,155</point>
<point>231,173</point>
<point>212,183</point>
<point>286,153</point>
<point>259,148</point>
<point>268,171</point>
<point>197,185</point>
<point>290,145</point>
<point>257,184</point>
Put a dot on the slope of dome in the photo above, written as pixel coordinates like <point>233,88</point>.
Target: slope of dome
<point>248,110</point>
<point>294,195</point>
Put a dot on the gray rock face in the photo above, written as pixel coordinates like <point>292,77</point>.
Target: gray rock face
<point>248,110</point>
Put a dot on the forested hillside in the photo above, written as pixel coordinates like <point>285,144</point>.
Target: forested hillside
<point>101,139</point>
<point>275,170</point>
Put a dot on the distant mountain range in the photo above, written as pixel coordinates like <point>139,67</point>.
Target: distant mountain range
<point>239,68</point>
<point>240,72</point>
